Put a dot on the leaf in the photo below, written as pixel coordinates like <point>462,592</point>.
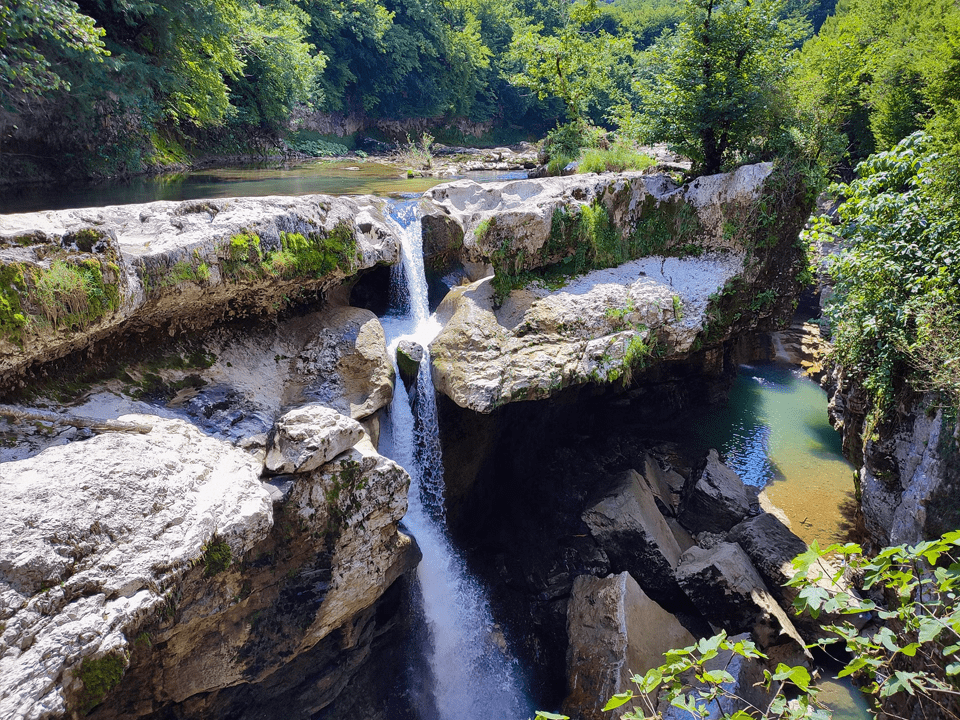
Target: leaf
<point>550,716</point>
<point>618,700</point>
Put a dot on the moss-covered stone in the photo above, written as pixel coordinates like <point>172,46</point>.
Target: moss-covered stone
<point>99,677</point>
<point>217,557</point>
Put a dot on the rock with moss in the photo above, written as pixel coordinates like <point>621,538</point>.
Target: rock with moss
<point>599,328</point>
<point>92,537</point>
<point>409,357</point>
<point>73,276</point>
<point>596,278</point>
<point>143,575</point>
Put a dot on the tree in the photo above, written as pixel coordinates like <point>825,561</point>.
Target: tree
<point>712,89</point>
<point>575,63</point>
<point>36,35</point>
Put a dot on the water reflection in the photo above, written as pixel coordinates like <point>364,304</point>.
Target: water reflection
<point>301,178</point>
<point>774,432</point>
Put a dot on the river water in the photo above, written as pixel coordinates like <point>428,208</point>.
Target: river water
<point>329,177</point>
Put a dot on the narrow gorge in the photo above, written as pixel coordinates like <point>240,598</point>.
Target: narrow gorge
<point>340,457</point>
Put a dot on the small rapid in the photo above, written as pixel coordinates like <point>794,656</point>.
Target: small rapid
<point>474,677</point>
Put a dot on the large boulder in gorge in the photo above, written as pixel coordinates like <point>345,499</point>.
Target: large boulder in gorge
<point>175,265</point>
<point>345,365</point>
<point>309,437</point>
<point>725,587</point>
<point>409,357</point>
<point>629,527</point>
<point>159,562</point>
<point>714,499</point>
<point>689,263</point>
<point>614,631</point>
<point>771,547</point>
<point>93,535</point>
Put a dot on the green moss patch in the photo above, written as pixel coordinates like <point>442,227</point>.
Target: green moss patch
<point>584,238</point>
<point>313,255</point>
<point>217,557</point>
<point>99,677</point>
<point>71,293</point>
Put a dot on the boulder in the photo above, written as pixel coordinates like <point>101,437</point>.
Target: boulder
<point>714,499</point>
<point>599,327</point>
<point>181,266</point>
<point>771,546</point>
<point>677,263</point>
<point>614,631</point>
<point>309,437</point>
<point>665,485</point>
<point>726,588</point>
<point>346,365</point>
<point>633,533</point>
<point>409,357</point>
<point>93,535</point>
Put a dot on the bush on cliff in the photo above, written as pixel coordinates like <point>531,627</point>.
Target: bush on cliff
<point>897,277</point>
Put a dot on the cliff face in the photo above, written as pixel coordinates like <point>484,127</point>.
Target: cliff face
<point>909,476</point>
<point>73,278</point>
<point>233,560</point>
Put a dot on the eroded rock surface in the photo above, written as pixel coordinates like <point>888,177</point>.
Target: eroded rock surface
<point>688,263</point>
<point>179,265</point>
<point>309,437</point>
<point>714,499</point>
<point>541,341</point>
<point>86,558</point>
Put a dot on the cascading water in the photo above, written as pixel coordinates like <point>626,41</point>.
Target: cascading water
<point>474,677</point>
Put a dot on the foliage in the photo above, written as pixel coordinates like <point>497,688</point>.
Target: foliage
<point>900,265</point>
<point>99,677</point>
<point>711,88</point>
<point>35,38</point>
<point>917,651</point>
<point>418,157</point>
<point>617,158</point>
<point>217,556</point>
<point>713,690</point>
<point>576,63</point>
<point>878,71</point>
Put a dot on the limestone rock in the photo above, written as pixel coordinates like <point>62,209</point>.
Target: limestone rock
<point>635,536</point>
<point>346,366</point>
<point>614,631</point>
<point>723,584</point>
<point>309,437</point>
<point>92,535</point>
<point>714,499</point>
<point>541,341</point>
<point>409,357</point>
<point>186,265</point>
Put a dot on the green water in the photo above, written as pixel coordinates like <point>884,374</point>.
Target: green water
<point>774,432</point>
<point>353,177</point>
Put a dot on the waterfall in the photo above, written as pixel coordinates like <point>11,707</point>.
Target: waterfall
<point>474,676</point>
